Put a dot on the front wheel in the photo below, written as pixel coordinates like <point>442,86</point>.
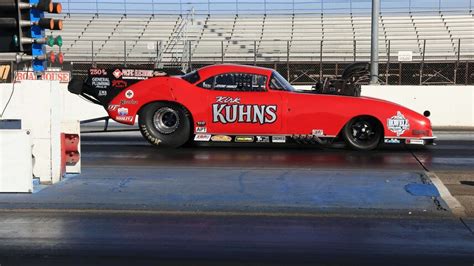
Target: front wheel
<point>363,133</point>
<point>165,125</point>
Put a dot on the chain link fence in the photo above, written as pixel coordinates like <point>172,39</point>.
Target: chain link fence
<point>302,73</point>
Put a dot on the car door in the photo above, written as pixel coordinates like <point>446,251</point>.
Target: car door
<point>239,103</point>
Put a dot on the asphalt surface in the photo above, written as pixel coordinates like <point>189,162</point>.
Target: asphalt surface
<point>295,205</point>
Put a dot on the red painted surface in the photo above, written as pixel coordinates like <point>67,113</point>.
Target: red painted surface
<point>297,113</point>
<point>69,149</point>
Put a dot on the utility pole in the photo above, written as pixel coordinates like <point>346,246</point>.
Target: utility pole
<point>374,43</point>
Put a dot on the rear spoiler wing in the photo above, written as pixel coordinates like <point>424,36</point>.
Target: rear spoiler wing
<point>102,85</point>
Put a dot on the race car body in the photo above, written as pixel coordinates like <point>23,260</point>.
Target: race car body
<point>252,104</point>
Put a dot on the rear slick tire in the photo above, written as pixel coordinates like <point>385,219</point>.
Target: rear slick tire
<point>165,125</point>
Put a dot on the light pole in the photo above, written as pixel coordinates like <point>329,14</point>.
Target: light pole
<point>374,43</point>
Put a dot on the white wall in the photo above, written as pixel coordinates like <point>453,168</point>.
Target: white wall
<point>450,106</point>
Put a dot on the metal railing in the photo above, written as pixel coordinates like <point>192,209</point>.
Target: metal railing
<point>258,6</point>
<point>314,60</point>
<point>301,50</point>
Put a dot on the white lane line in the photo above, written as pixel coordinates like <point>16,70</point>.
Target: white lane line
<point>456,208</point>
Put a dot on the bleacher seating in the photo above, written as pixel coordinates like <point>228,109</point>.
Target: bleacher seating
<point>238,37</point>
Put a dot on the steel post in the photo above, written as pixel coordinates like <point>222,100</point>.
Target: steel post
<point>321,61</point>
<point>287,60</point>
<point>254,53</point>
<point>422,62</point>
<point>92,52</point>
<point>388,63</point>
<point>125,53</point>
<point>355,50</point>
<point>374,39</point>
<point>466,73</point>
<point>457,62</point>
<point>190,56</point>
<point>222,52</point>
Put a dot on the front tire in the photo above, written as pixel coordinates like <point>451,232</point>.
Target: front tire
<point>363,133</point>
<point>165,125</point>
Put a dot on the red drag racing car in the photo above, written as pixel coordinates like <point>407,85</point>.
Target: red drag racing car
<point>235,103</point>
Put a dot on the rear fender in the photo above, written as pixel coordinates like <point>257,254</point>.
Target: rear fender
<point>124,107</point>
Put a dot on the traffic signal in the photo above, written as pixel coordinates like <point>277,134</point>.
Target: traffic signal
<point>22,29</point>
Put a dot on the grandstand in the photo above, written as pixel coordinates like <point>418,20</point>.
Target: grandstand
<point>304,38</point>
<point>342,36</point>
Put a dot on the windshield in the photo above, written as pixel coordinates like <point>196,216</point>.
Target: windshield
<point>191,77</point>
<point>277,82</point>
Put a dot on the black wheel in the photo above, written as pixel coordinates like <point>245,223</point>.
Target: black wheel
<point>165,125</point>
<point>363,133</point>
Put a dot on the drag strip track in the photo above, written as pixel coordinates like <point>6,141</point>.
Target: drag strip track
<point>130,148</point>
<point>219,240</point>
<point>241,205</point>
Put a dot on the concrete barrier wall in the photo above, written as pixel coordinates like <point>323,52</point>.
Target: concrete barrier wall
<point>73,107</point>
<point>450,106</point>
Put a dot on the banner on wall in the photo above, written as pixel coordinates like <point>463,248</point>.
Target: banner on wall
<point>61,76</point>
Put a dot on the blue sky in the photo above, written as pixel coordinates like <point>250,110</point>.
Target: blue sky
<point>257,6</point>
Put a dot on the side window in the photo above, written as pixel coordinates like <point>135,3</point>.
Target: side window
<point>226,82</point>
<point>259,82</point>
<point>235,82</point>
<point>207,84</point>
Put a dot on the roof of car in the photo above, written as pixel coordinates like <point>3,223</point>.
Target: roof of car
<point>212,70</point>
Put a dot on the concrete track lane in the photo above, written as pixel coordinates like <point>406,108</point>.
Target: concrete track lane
<point>128,179</point>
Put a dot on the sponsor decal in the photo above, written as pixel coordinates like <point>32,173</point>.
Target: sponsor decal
<point>119,84</point>
<point>229,110</point>
<point>201,129</point>
<point>129,94</point>
<point>225,99</point>
<point>244,139</point>
<point>131,102</point>
<point>392,141</point>
<point>398,124</point>
<point>317,132</point>
<point>279,139</point>
<point>221,138</point>
<point>100,82</point>
<point>117,73</point>
<point>61,76</point>
<point>201,123</point>
<point>124,118</point>
<point>102,93</point>
<point>262,139</point>
<point>415,141</point>
<point>97,72</point>
<point>202,137</point>
<point>113,107</point>
<point>122,111</point>
<point>138,74</point>
<point>157,73</point>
